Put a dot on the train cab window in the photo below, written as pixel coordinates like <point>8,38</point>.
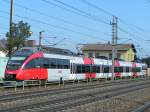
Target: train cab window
<point>14,64</point>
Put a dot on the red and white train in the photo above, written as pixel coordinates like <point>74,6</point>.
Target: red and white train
<point>33,64</point>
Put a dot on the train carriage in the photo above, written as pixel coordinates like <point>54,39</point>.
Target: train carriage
<point>35,64</point>
<point>126,69</point>
<point>98,68</point>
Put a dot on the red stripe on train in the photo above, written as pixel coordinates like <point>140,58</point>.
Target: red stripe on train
<point>88,61</point>
<point>117,64</point>
<point>134,74</point>
<point>33,73</point>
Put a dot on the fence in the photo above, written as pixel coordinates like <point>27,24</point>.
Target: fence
<point>62,83</point>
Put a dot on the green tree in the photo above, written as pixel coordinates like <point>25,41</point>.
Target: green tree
<point>20,33</point>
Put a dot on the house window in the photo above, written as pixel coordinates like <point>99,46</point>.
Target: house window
<point>118,55</point>
<point>110,55</point>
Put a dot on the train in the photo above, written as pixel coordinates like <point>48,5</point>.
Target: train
<point>35,63</point>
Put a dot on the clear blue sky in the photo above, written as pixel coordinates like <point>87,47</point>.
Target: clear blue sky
<point>134,18</point>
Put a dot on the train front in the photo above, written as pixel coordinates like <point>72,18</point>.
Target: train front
<point>15,63</point>
<point>12,68</point>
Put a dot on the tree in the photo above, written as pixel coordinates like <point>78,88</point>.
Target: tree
<point>20,33</point>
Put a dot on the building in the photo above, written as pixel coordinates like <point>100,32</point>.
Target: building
<point>125,52</point>
<point>30,43</point>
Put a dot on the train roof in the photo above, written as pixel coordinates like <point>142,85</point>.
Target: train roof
<point>26,51</point>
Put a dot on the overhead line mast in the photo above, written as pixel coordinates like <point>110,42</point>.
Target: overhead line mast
<point>114,43</point>
<point>11,17</point>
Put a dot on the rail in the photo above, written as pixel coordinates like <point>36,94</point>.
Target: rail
<point>143,107</point>
<point>27,83</point>
<point>10,84</point>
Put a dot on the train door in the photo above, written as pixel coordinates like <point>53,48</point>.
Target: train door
<point>72,70</point>
<point>124,74</point>
<point>88,62</point>
<point>105,69</point>
<point>117,69</point>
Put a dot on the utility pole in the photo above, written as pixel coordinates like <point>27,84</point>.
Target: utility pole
<point>40,39</point>
<point>114,43</point>
<point>11,17</point>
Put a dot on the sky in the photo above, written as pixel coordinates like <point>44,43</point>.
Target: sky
<point>74,22</point>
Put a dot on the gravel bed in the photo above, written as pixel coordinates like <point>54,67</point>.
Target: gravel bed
<point>52,97</point>
<point>147,110</point>
<point>123,103</point>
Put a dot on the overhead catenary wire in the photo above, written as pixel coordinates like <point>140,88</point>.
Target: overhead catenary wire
<point>76,11</point>
<point>83,12</point>
<point>59,19</point>
<point>137,30</point>
<point>96,7</point>
<point>70,37</point>
<point>111,14</point>
<point>54,26</point>
<point>129,33</point>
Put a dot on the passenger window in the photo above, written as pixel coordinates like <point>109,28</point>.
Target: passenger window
<point>46,63</point>
<point>53,63</point>
<point>87,69</point>
<point>93,69</point>
<point>79,69</point>
<point>30,65</point>
<point>106,69</point>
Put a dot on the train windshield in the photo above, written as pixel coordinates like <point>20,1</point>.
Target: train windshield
<point>14,64</point>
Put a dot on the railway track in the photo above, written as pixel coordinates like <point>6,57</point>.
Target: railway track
<point>79,98</point>
<point>24,95</point>
<point>143,108</point>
